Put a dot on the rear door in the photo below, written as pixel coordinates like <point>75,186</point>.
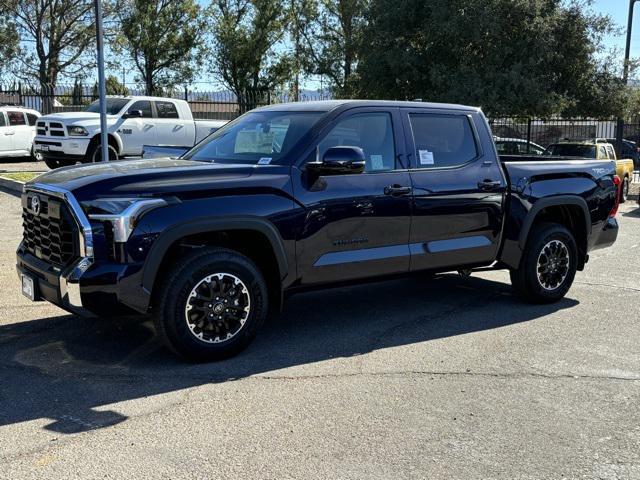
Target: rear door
<point>170,128</point>
<point>22,133</point>
<point>458,189</point>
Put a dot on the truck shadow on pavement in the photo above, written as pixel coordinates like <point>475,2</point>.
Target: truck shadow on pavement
<point>67,368</point>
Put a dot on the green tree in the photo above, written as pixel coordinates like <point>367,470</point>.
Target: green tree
<point>526,57</point>
<point>56,36</point>
<point>331,31</point>
<point>9,40</point>
<point>114,87</point>
<point>160,37</point>
<point>245,57</point>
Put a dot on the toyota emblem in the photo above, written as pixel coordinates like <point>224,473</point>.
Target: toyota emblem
<point>35,205</point>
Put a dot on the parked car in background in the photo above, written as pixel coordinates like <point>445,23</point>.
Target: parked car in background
<point>306,195</point>
<point>133,121</point>
<point>517,146</point>
<point>597,149</point>
<point>630,150</point>
<point>17,129</point>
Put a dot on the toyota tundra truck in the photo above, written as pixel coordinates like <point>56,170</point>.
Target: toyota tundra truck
<point>298,196</point>
<point>133,122</point>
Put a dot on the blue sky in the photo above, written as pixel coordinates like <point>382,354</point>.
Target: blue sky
<point>619,10</point>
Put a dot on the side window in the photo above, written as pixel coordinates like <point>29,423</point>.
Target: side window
<point>167,110</point>
<point>3,122</point>
<point>602,153</point>
<point>32,119</point>
<point>144,106</point>
<point>611,153</point>
<point>16,118</point>
<point>373,132</point>
<point>442,140</point>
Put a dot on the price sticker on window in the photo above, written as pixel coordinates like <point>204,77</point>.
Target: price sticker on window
<point>426,157</point>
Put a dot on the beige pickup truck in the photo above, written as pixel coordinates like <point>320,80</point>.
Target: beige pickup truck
<point>598,149</point>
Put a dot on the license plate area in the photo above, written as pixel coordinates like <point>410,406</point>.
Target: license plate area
<point>28,287</point>
<point>42,148</point>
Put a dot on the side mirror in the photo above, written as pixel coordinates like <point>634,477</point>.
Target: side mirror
<point>339,161</point>
<point>133,114</point>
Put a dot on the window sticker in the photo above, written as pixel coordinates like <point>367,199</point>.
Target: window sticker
<point>376,162</point>
<point>426,157</point>
<point>264,161</point>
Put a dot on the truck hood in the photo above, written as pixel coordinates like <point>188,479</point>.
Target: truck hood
<point>156,177</point>
<point>76,118</point>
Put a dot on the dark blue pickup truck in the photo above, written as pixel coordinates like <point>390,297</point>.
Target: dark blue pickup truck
<point>297,196</point>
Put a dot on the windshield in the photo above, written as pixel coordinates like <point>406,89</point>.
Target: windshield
<point>572,150</point>
<point>114,105</point>
<point>255,138</point>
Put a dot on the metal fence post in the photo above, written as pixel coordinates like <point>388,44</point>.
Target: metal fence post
<point>529,135</point>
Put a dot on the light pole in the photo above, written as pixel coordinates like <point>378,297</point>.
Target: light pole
<point>102,90</point>
<point>625,73</point>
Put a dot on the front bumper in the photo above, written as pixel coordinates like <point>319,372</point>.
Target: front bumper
<point>62,147</point>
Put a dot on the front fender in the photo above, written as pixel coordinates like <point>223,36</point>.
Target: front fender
<point>170,236</point>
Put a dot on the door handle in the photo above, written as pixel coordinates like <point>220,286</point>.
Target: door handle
<point>396,190</point>
<point>10,133</point>
<point>488,185</point>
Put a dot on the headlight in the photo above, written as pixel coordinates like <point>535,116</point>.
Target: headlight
<point>75,131</point>
<point>121,213</point>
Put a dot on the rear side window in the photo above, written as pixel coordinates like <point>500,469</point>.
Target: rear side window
<point>442,140</point>
<point>32,119</point>
<point>611,153</point>
<point>144,106</point>
<point>166,110</point>
<point>3,122</point>
<point>603,152</point>
<point>16,118</point>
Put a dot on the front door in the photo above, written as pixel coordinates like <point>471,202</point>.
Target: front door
<point>356,225</point>
<point>136,132</point>
<point>458,189</point>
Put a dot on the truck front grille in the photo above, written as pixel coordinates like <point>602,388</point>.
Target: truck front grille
<point>50,129</point>
<point>49,230</point>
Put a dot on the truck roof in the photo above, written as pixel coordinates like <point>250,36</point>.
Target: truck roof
<point>329,105</point>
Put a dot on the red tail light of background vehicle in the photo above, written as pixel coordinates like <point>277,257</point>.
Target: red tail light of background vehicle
<point>618,183</point>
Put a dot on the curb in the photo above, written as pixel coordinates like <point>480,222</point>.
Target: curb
<point>12,185</point>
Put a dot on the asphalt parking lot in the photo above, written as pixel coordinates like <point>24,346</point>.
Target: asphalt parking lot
<point>419,378</point>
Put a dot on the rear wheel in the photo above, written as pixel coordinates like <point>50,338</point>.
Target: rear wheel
<point>548,265</point>
<point>211,304</point>
<point>624,191</point>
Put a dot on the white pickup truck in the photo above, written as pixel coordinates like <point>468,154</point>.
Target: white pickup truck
<point>133,122</point>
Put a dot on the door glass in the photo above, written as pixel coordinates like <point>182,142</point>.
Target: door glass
<point>16,118</point>
<point>32,119</point>
<point>166,110</point>
<point>603,152</point>
<point>144,106</point>
<point>3,122</point>
<point>611,153</point>
<point>373,132</point>
<point>442,140</point>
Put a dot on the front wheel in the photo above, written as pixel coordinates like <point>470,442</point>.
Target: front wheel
<point>94,154</point>
<point>211,304</point>
<point>548,265</point>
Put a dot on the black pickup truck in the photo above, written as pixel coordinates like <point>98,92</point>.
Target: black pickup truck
<point>297,196</point>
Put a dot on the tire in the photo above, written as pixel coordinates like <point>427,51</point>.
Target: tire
<point>182,316</point>
<point>35,155</point>
<point>94,153</point>
<point>54,163</point>
<point>624,191</point>
<point>551,285</point>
